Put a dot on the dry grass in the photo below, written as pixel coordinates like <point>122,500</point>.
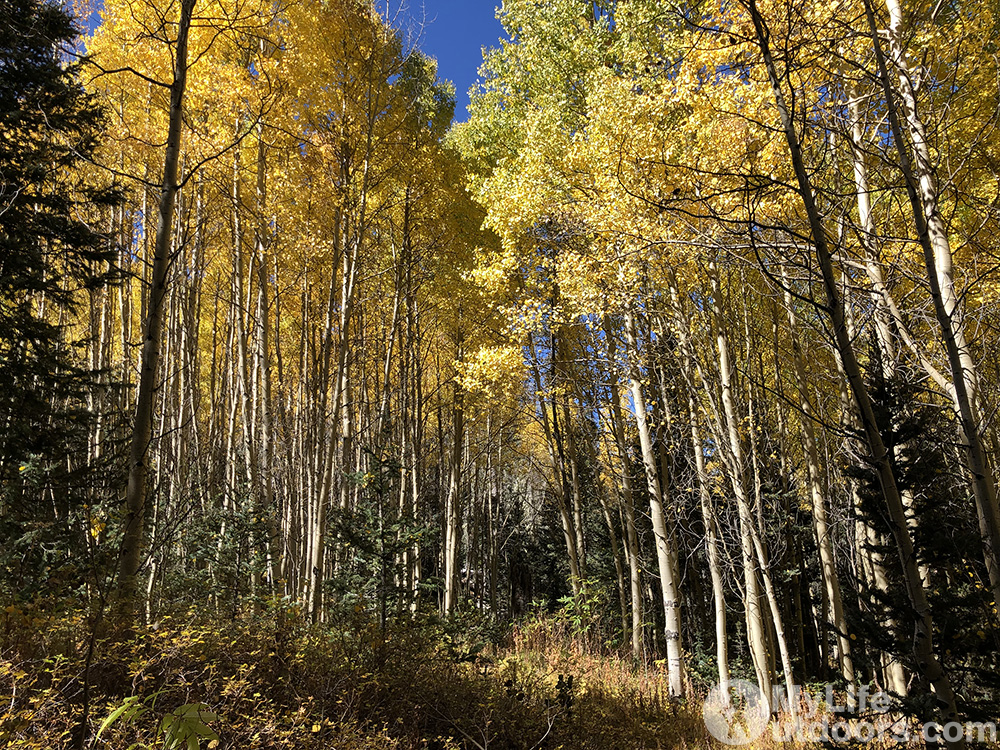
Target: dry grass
<point>275,682</point>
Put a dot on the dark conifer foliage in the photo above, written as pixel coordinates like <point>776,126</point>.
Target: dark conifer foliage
<point>918,437</point>
<point>48,250</point>
<point>51,259</point>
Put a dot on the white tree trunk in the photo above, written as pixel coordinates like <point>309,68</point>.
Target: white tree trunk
<point>664,553</point>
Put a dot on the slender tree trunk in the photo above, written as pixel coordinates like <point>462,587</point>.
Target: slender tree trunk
<point>628,496</point>
<point>923,636</point>
<point>712,549</point>
<point>761,549</point>
<point>553,443</point>
<point>824,540</point>
<point>664,553</point>
<point>932,233</point>
<point>756,626</point>
<point>136,496</point>
<point>452,509</point>
<point>337,448</point>
<point>266,508</point>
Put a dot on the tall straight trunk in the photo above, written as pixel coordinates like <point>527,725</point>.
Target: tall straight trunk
<point>577,496</point>
<point>691,373</point>
<point>415,442</point>
<point>192,312</point>
<point>760,547</point>
<point>452,508</point>
<point>923,635</point>
<point>266,501</point>
<point>125,313</point>
<point>492,499</point>
<point>794,594</point>
<point>712,548</point>
<point>628,496</point>
<point>404,333</point>
<point>350,230</point>
<point>883,315</point>
<point>136,490</point>
<point>922,191</point>
<point>664,553</point>
<point>755,622</point>
<point>821,527</point>
<point>241,286</point>
<point>568,496</point>
<point>232,409</point>
<point>336,448</point>
<point>565,499</point>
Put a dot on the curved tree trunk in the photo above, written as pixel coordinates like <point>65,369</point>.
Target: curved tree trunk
<point>933,235</point>
<point>923,635</point>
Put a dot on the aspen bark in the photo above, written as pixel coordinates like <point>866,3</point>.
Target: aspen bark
<point>452,509</point>
<point>628,496</point>
<point>821,528</point>
<point>932,233</point>
<point>888,318</point>
<point>712,549</point>
<point>756,626</point>
<point>923,636</point>
<point>664,552</point>
<point>136,493</point>
<point>266,501</point>
<point>757,532</point>
<point>337,449</point>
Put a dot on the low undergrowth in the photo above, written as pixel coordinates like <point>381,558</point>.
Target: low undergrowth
<point>270,680</point>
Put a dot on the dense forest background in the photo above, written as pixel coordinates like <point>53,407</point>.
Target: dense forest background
<point>680,355</point>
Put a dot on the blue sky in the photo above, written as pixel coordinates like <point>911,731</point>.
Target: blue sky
<point>455,33</point>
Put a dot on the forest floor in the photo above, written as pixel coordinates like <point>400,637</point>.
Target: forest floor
<point>271,680</point>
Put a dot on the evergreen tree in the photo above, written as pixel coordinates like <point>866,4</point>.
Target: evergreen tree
<point>49,252</point>
<point>917,435</point>
<point>51,255</point>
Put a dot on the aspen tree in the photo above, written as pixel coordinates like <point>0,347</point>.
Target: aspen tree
<point>824,540</point>
<point>628,497</point>
<point>755,621</point>
<point>664,552</point>
<point>921,188</point>
<point>923,640</point>
<point>136,494</point>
